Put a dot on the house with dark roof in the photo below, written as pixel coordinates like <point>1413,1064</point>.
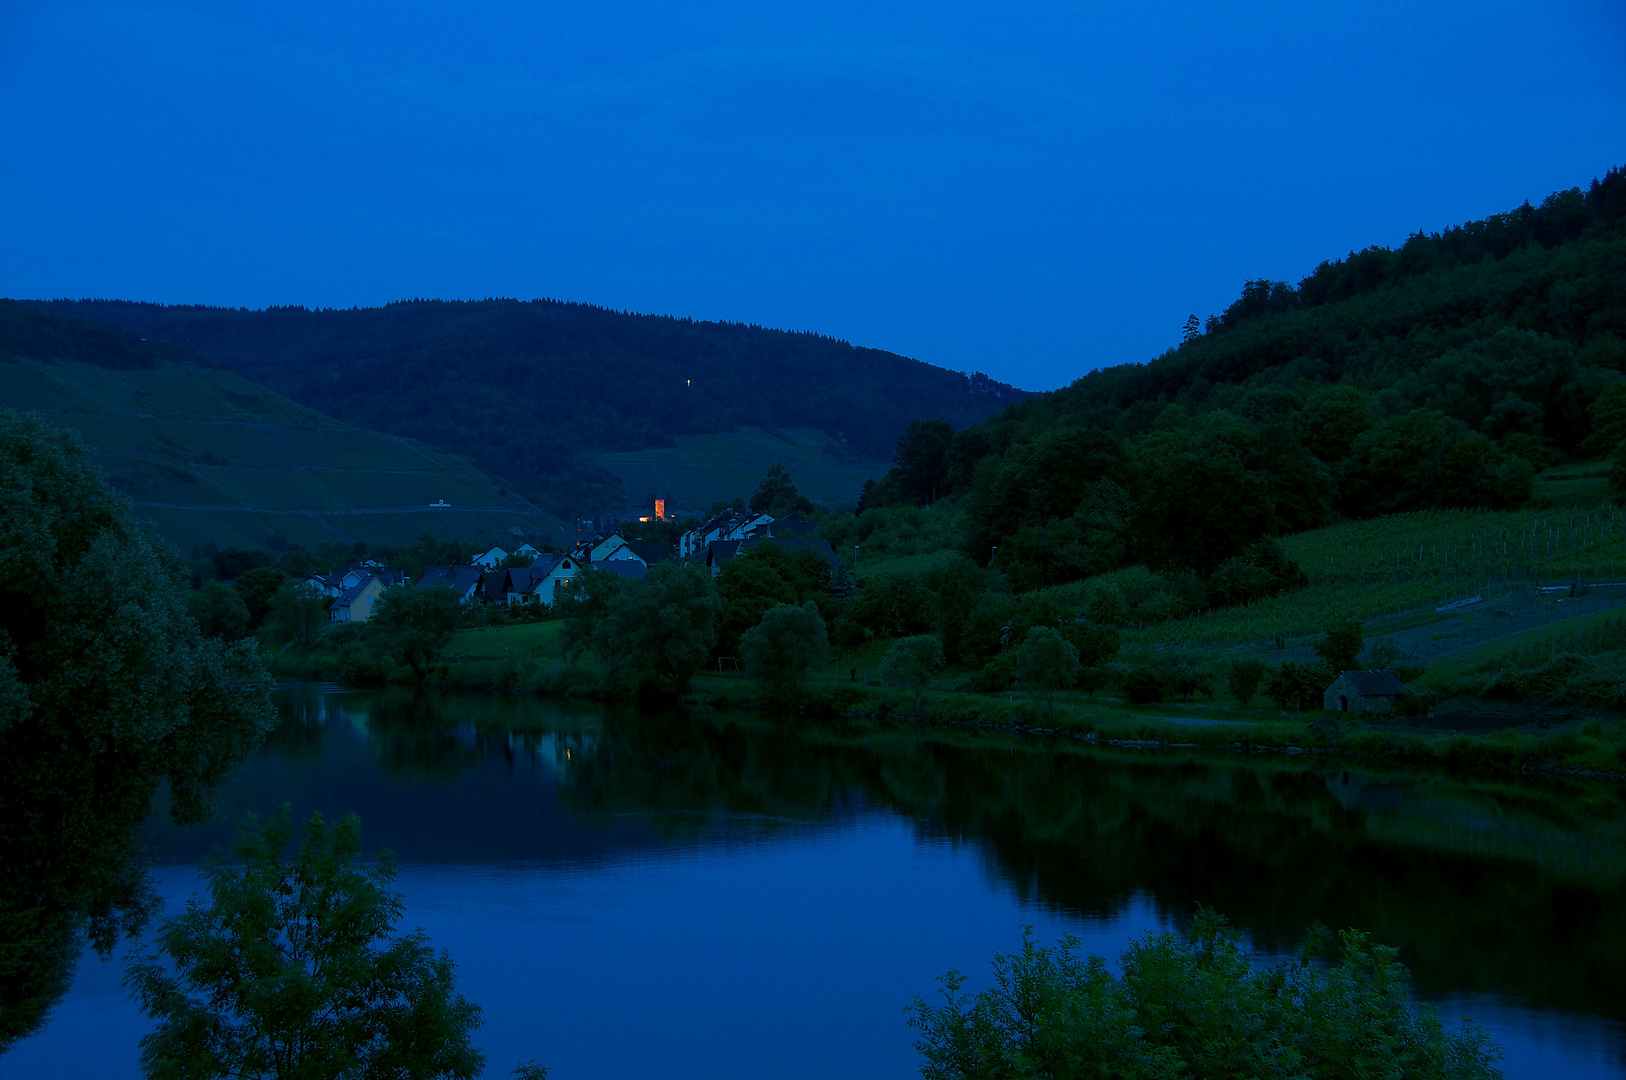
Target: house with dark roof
<point>627,568</point>
<point>463,580</point>
<point>653,553</point>
<point>1363,692</point>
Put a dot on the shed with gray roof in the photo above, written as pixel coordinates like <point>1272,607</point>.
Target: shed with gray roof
<point>1363,692</point>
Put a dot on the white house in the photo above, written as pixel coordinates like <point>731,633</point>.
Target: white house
<point>550,571</point>
<point>729,525</point>
<point>526,551</point>
<point>613,546</point>
<point>490,559</point>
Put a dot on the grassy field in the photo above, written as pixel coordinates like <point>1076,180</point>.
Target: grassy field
<point>206,455</point>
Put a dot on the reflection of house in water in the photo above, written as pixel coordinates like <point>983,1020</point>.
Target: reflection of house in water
<point>1356,791</point>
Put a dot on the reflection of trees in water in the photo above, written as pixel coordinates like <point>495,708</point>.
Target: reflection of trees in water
<point>1483,885</point>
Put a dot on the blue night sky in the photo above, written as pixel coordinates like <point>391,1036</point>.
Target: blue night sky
<point>1031,190</point>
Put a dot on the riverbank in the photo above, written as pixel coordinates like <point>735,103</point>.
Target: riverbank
<point>528,659</point>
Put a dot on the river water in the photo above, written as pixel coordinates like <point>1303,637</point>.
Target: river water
<point>633,895</point>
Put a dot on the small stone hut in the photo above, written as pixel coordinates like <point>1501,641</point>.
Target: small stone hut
<point>1363,692</point>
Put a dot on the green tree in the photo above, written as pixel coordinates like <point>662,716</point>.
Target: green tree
<point>1195,1005</point>
<point>1047,662</point>
<point>410,626</point>
<point>777,494</point>
<point>748,586</point>
<point>1608,415</point>
<point>658,631</point>
<point>910,662</point>
<point>1331,420</point>
<point>295,616</point>
<point>921,461</point>
<point>1342,646</point>
<point>219,610</point>
<point>1244,680</point>
<point>107,690</point>
<point>289,971</point>
<point>583,603</point>
<point>257,587</point>
<point>1297,686</point>
<point>784,646</point>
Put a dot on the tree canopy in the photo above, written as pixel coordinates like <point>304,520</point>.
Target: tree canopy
<point>290,971</point>
<point>107,688</point>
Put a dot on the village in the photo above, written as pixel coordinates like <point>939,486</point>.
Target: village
<point>527,576</point>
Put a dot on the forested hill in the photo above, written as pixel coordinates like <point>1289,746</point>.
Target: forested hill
<point>528,389</point>
<point>1444,372</point>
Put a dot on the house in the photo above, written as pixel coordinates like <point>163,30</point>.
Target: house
<point>539,583</point>
<point>627,568</point>
<point>1363,692</point>
<point>651,554</point>
<point>491,558</point>
<point>718,552</point>
<point>355,604</point>
<point>356,574</point>
<point>793,525</point>
<point>463,580</point>
<point>340,582</point>
<point>613,546</point>
<point>526,551</point>
<point>325,584</point>
<point>729,525</point>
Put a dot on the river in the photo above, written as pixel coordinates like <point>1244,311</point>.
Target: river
<point>641,895</point>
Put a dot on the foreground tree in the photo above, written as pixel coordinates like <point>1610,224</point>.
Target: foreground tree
<point>780,650</point>
<point>107,689</point>
<point>289,971</point>
<point>1196,1006</point>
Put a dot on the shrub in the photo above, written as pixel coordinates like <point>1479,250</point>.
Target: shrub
<point>780,650</point>
<point>1195,1005</point>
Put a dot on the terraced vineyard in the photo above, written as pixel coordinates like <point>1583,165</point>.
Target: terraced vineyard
<point>207,455</point>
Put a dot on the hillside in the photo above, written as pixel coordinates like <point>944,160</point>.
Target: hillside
<point>537,392</point>
<point>1459,370</point>
<point>207,455</point>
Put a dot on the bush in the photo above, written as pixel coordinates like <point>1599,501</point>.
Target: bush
<point>1196,1005</point>
<point>780,650</point>
<point>911,661</point>
<point>997,675</point>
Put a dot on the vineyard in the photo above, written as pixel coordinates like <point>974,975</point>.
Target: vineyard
<point>1385,568</point>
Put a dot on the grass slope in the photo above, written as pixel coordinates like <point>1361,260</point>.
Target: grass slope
<point>207,455</point>
<point>702,469</point>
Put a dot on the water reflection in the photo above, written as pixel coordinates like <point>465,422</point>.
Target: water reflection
<point>1488,886</point>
